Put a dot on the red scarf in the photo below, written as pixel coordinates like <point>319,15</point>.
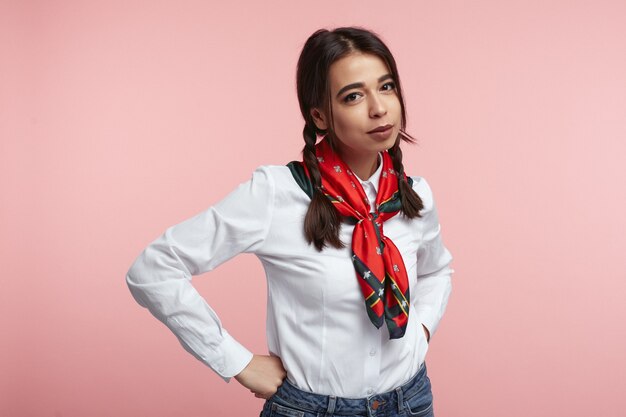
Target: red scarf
<point>379,266</point>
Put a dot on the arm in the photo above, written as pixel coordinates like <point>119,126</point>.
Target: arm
<point>433,288</point>
<point>160,278</point>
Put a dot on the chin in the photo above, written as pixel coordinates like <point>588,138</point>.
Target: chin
<point>391,141</point>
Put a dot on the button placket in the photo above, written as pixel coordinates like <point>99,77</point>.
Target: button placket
<point>372,365</point>
<point>370,192</point>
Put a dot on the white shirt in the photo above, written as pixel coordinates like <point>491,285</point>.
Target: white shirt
<point>316,318</point>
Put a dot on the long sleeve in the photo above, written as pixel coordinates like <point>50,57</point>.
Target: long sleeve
<point>430,295</point>
<point>160,277</point>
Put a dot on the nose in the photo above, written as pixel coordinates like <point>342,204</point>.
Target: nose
<point>377,106</point>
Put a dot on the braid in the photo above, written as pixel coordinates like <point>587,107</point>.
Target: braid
<point>309,157</point>
<point>322,221</point>
<point>411,202</point>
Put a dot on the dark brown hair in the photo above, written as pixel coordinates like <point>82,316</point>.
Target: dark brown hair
<point>321,50</point>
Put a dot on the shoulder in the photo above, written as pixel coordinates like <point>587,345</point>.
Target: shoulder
<point>262,187</point>
<point>263,181</point>
<point>281,179</point>
<point>277,174</point>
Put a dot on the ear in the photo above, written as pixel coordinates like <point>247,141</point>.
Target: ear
<point>319,119</point>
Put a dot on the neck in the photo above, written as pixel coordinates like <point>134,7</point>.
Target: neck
<point>362,166</point>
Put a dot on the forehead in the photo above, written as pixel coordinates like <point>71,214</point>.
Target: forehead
<point>356,67</point>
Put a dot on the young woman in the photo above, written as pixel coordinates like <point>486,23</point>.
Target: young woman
<point>358,276</point>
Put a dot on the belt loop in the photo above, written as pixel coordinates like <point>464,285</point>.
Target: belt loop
<point>400,395</point>
<point>332,400</point>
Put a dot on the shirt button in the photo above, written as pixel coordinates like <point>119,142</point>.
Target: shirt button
<point>370,391</point>
<point>372,352</point>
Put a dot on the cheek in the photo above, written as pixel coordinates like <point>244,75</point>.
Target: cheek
<point>394,104</point>
<point>397,107</point>
<point>347,121</point>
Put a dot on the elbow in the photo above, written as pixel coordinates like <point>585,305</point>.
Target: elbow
<point>135,277</point>
<point>135,272</point>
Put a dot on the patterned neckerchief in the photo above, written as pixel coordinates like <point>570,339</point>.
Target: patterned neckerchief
<point>378,264</point>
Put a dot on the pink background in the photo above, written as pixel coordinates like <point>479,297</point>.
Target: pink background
<point>121,118</point>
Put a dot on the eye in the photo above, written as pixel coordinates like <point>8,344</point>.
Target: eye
<point>391,85</point>
<point>350,97</point>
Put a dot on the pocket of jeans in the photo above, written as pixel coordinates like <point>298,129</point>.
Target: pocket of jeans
<point>418,409</point>
<point>286,411</point>
<point>420,404</point>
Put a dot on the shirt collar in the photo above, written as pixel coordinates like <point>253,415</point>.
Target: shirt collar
<point>375,177</point>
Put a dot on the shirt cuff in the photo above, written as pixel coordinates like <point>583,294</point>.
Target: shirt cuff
<point>232,357</point>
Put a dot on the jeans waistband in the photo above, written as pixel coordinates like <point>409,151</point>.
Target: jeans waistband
<point>330,404</point>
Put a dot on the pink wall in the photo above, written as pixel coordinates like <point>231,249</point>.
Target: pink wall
<point>117,120</point>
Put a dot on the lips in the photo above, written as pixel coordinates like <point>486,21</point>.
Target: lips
<point>381,129</point>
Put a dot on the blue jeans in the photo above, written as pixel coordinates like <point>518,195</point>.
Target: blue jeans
<point>414,398</point>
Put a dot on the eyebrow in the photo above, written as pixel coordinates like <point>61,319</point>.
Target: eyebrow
<point>359,85</point>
